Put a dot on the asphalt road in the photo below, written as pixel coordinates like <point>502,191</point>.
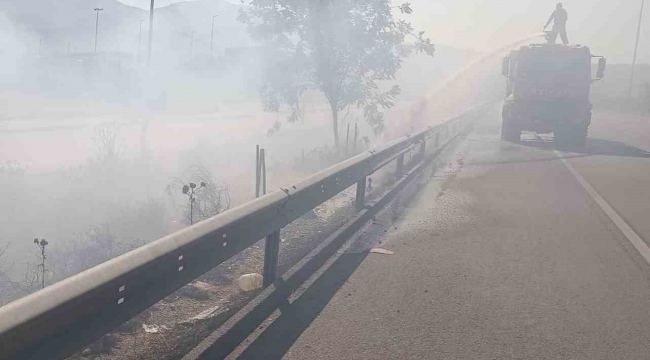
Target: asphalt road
<point>503,256</point>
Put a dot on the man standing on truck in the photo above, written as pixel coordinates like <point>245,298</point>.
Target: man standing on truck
<point>559,18</point>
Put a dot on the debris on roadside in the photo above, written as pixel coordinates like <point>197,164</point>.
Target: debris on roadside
<point>154,329</point>
<point>381,251</point>
<point>251,282</point>
<point>151,329</point>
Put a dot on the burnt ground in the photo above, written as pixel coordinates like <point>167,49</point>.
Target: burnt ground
<point>175,325</point>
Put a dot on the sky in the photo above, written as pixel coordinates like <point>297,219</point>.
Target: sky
<point>607,26</point>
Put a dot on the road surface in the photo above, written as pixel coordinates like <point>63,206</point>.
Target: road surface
<point>504,256</point>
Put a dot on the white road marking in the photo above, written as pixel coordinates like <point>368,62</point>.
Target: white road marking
<point>629,233</point>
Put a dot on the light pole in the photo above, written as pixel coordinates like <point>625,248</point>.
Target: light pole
<point>150,32</point>
<point>140,41</point>
<point>192,44</point>
<point>636,48</point>
<point>97,10</point>
<point>212,36</point>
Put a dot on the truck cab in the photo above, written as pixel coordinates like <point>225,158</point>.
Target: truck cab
<point>548,88</point>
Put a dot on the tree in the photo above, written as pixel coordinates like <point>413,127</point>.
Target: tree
<point>341,48</point>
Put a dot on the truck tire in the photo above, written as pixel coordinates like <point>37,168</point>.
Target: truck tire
<point>509,132</point>
<point>575,136</point>
<point>583,131</point>
<point>571,137</point>
<point>579,137</point>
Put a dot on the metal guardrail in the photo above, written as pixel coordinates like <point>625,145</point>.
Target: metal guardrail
<point>61,319</point>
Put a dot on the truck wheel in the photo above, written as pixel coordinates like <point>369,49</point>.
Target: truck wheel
<point>510,134</point>
<point>579,138</point>
<point>578,135</point>
<point>560,138</point>
<point>572,137</point>
<point>564,138</point>
<point>508,131</point>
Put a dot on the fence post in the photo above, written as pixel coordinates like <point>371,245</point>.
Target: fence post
<point>361,194</point>
<point>263,170</point>
<point>257,171</point>
<point>347,142</point>
<point>356,135</point>
<point>271,255</point>
<point>423,147</point>
<point>400,165</point>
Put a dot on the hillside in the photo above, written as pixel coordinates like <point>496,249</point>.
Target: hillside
<point>70,24</point>
<point>62,22</point>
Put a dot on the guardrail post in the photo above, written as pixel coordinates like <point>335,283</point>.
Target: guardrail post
<point>423,147</point>
<point>361,194</point>
<point>400,165</point>
<point>271,255</point>
<point>257,171</point>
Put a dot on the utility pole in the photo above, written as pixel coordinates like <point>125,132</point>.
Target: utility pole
<point>97,10</point>
<point>150,32</point>
<point>140,41</point>
<point>636,48</point>
<point>192,44</point>
<point>212,36</point>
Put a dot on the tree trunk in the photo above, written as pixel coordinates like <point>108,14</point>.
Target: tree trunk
<point>335,125</point>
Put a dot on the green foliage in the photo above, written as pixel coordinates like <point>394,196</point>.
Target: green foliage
<point>340,48</point>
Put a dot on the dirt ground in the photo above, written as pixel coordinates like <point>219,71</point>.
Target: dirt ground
<point>173,326</point>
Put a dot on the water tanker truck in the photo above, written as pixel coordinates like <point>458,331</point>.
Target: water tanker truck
<point>548,88</point>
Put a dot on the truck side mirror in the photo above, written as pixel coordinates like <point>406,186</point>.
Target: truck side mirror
<point>602,65</point>
<point>505,66</point>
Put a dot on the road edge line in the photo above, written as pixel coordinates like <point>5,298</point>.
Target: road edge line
<point>623,226</point>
